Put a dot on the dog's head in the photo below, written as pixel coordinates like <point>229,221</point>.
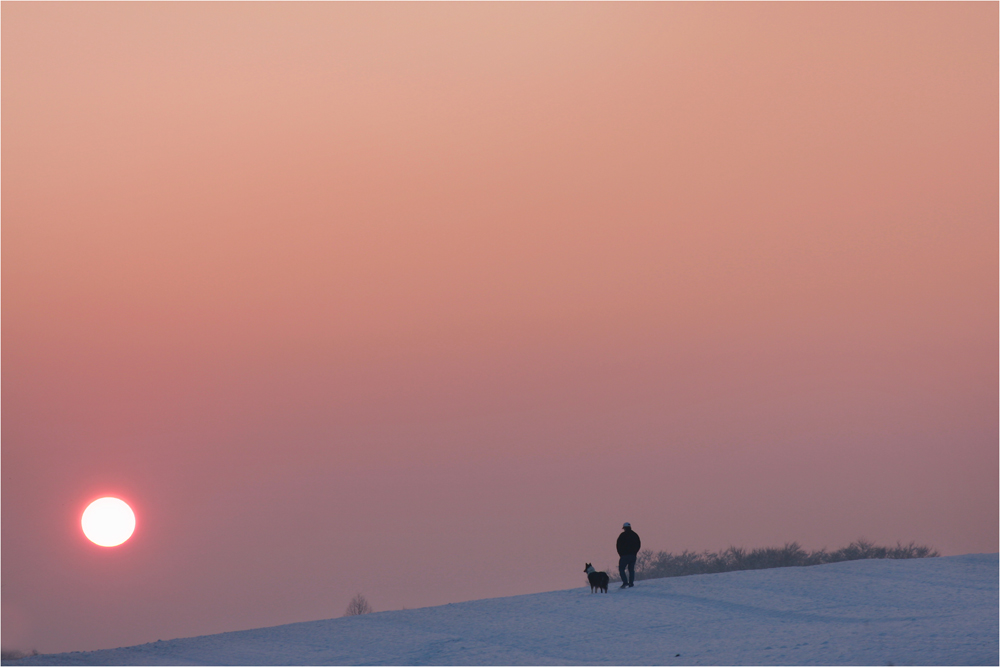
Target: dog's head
<point>589,568</point>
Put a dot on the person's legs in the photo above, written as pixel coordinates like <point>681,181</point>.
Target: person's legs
<point>622,561</point>
<point>631,570</point>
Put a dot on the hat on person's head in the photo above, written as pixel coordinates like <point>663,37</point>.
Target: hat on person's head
<point>627,525</point>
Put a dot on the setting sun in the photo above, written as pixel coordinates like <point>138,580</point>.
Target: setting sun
<point>108,522</point>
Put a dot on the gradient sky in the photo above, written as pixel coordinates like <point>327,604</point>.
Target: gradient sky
<point>422,301</point>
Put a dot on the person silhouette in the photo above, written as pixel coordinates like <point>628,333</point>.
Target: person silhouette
<point>628,546</point>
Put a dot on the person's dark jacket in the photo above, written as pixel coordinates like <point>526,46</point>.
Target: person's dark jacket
<point>628,543</point>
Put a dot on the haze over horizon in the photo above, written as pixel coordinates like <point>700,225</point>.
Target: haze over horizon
<point>424,300</point>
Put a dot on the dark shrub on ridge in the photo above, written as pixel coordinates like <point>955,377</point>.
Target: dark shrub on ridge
<point>650,565</point>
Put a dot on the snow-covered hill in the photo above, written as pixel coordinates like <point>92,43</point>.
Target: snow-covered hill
<point>936,611</point>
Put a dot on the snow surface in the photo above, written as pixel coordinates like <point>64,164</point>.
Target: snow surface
<point>934,611</point>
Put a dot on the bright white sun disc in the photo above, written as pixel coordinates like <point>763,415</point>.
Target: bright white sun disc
<point>108,522</point>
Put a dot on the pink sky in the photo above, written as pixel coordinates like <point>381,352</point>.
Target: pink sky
<point>422,301</point>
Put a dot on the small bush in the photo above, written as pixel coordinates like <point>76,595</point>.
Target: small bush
<point>650,565</point>
<point>6,654</point>
<point>357,606</point>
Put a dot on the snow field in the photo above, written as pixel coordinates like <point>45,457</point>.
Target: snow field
<point>935,611</point>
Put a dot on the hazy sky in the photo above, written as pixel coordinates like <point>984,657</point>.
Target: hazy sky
<point>422,301</point>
